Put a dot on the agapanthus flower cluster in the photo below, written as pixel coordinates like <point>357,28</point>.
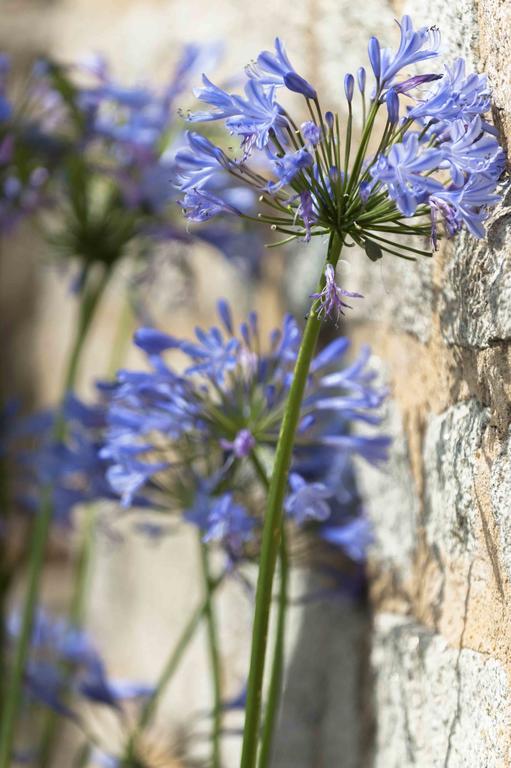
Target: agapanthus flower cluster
<point>437,159</point>
<point>65,669</point>
<point>58,449</point>
<point>22,178</point>
<point>195,440</point>
<point>103,150</point>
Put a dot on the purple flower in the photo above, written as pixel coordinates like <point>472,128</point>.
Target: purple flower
<point>222,520</point>
<point>455,96</point>
<point>414,82</point>
<point>469,150</point>
<point>311,133</point>
<point>353,536</point>
<point>199,163</point>
<point>331,296</point>
<point>251,117</point>
<point>200,205</point>
<point>414,46</point>
<point>465,205</point>
<point>289,166</point>
<point>276,69</point>
<point>242,444</point>
<point>306,211</point>
<point>307,501</point>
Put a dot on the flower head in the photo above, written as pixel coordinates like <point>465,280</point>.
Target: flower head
<point>178,440</point>
<point>324,186</point>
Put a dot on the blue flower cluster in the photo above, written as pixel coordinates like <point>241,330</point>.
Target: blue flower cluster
<point>437,157</point>
<point>65,667</point>
<point>22,179</point>
<point>58,450</point>
<point>102,153</point>
<point>193,441</point>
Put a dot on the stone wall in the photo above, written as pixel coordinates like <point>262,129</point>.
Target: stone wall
<point>441,560</point>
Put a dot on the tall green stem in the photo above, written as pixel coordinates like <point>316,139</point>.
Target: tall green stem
<point>168,672</point>
<point>271,536</point>
<point>90,299</point>
<point>277,670</point>
<point>275,687</point>
<point>214,655</point>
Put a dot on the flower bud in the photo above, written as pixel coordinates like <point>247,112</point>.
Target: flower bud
<point>392,101</point>
<point>361,79</point>
<point>349,83</point>
<point>375,56</point>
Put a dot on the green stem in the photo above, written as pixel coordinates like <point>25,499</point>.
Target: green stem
<point>173,661</point>
<point>92,294</point>
<point>275,689</point>
<point>76,614</point>
<point>272,523</point>
<point>13,692</point>
<point>90,299</point>
<point>82,569</point>
<point>214,654</point>
<point>122,338</point>
<point>277,670</point>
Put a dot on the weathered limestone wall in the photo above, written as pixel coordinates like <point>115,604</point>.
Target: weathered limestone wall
<point>441,561</point>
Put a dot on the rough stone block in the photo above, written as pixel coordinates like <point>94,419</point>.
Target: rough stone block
<point>500,488</point>
<point>438,707</point>
<point>391,500</point>
<point>450,505</point>
<point>475,305</point>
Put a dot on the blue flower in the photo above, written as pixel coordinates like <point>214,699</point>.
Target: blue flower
<point>276,69</point>
<point>353,536</point>
<point>214,356</point>
<point>414,46</point>
<point>201,205</point>
<point>242,444</point>
<point>307,501</point>
<point>288,166</point>
<point>306,212</point>
<point>229,522</point>
<point>222,520</point>
<point>470,150</point>
<point>198,164</point>
<point>455,96</point>
<point>63,660</point>
<point>392,102</point>
<point>465,205</point>
<point>230,399</point>
<point>71,466</point>
<point>349,84</point>
<point>311,133</point>
<point>401,172</point>
<point>252,117</point>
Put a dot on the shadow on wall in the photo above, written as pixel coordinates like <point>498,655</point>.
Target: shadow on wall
<point>326,716</point>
